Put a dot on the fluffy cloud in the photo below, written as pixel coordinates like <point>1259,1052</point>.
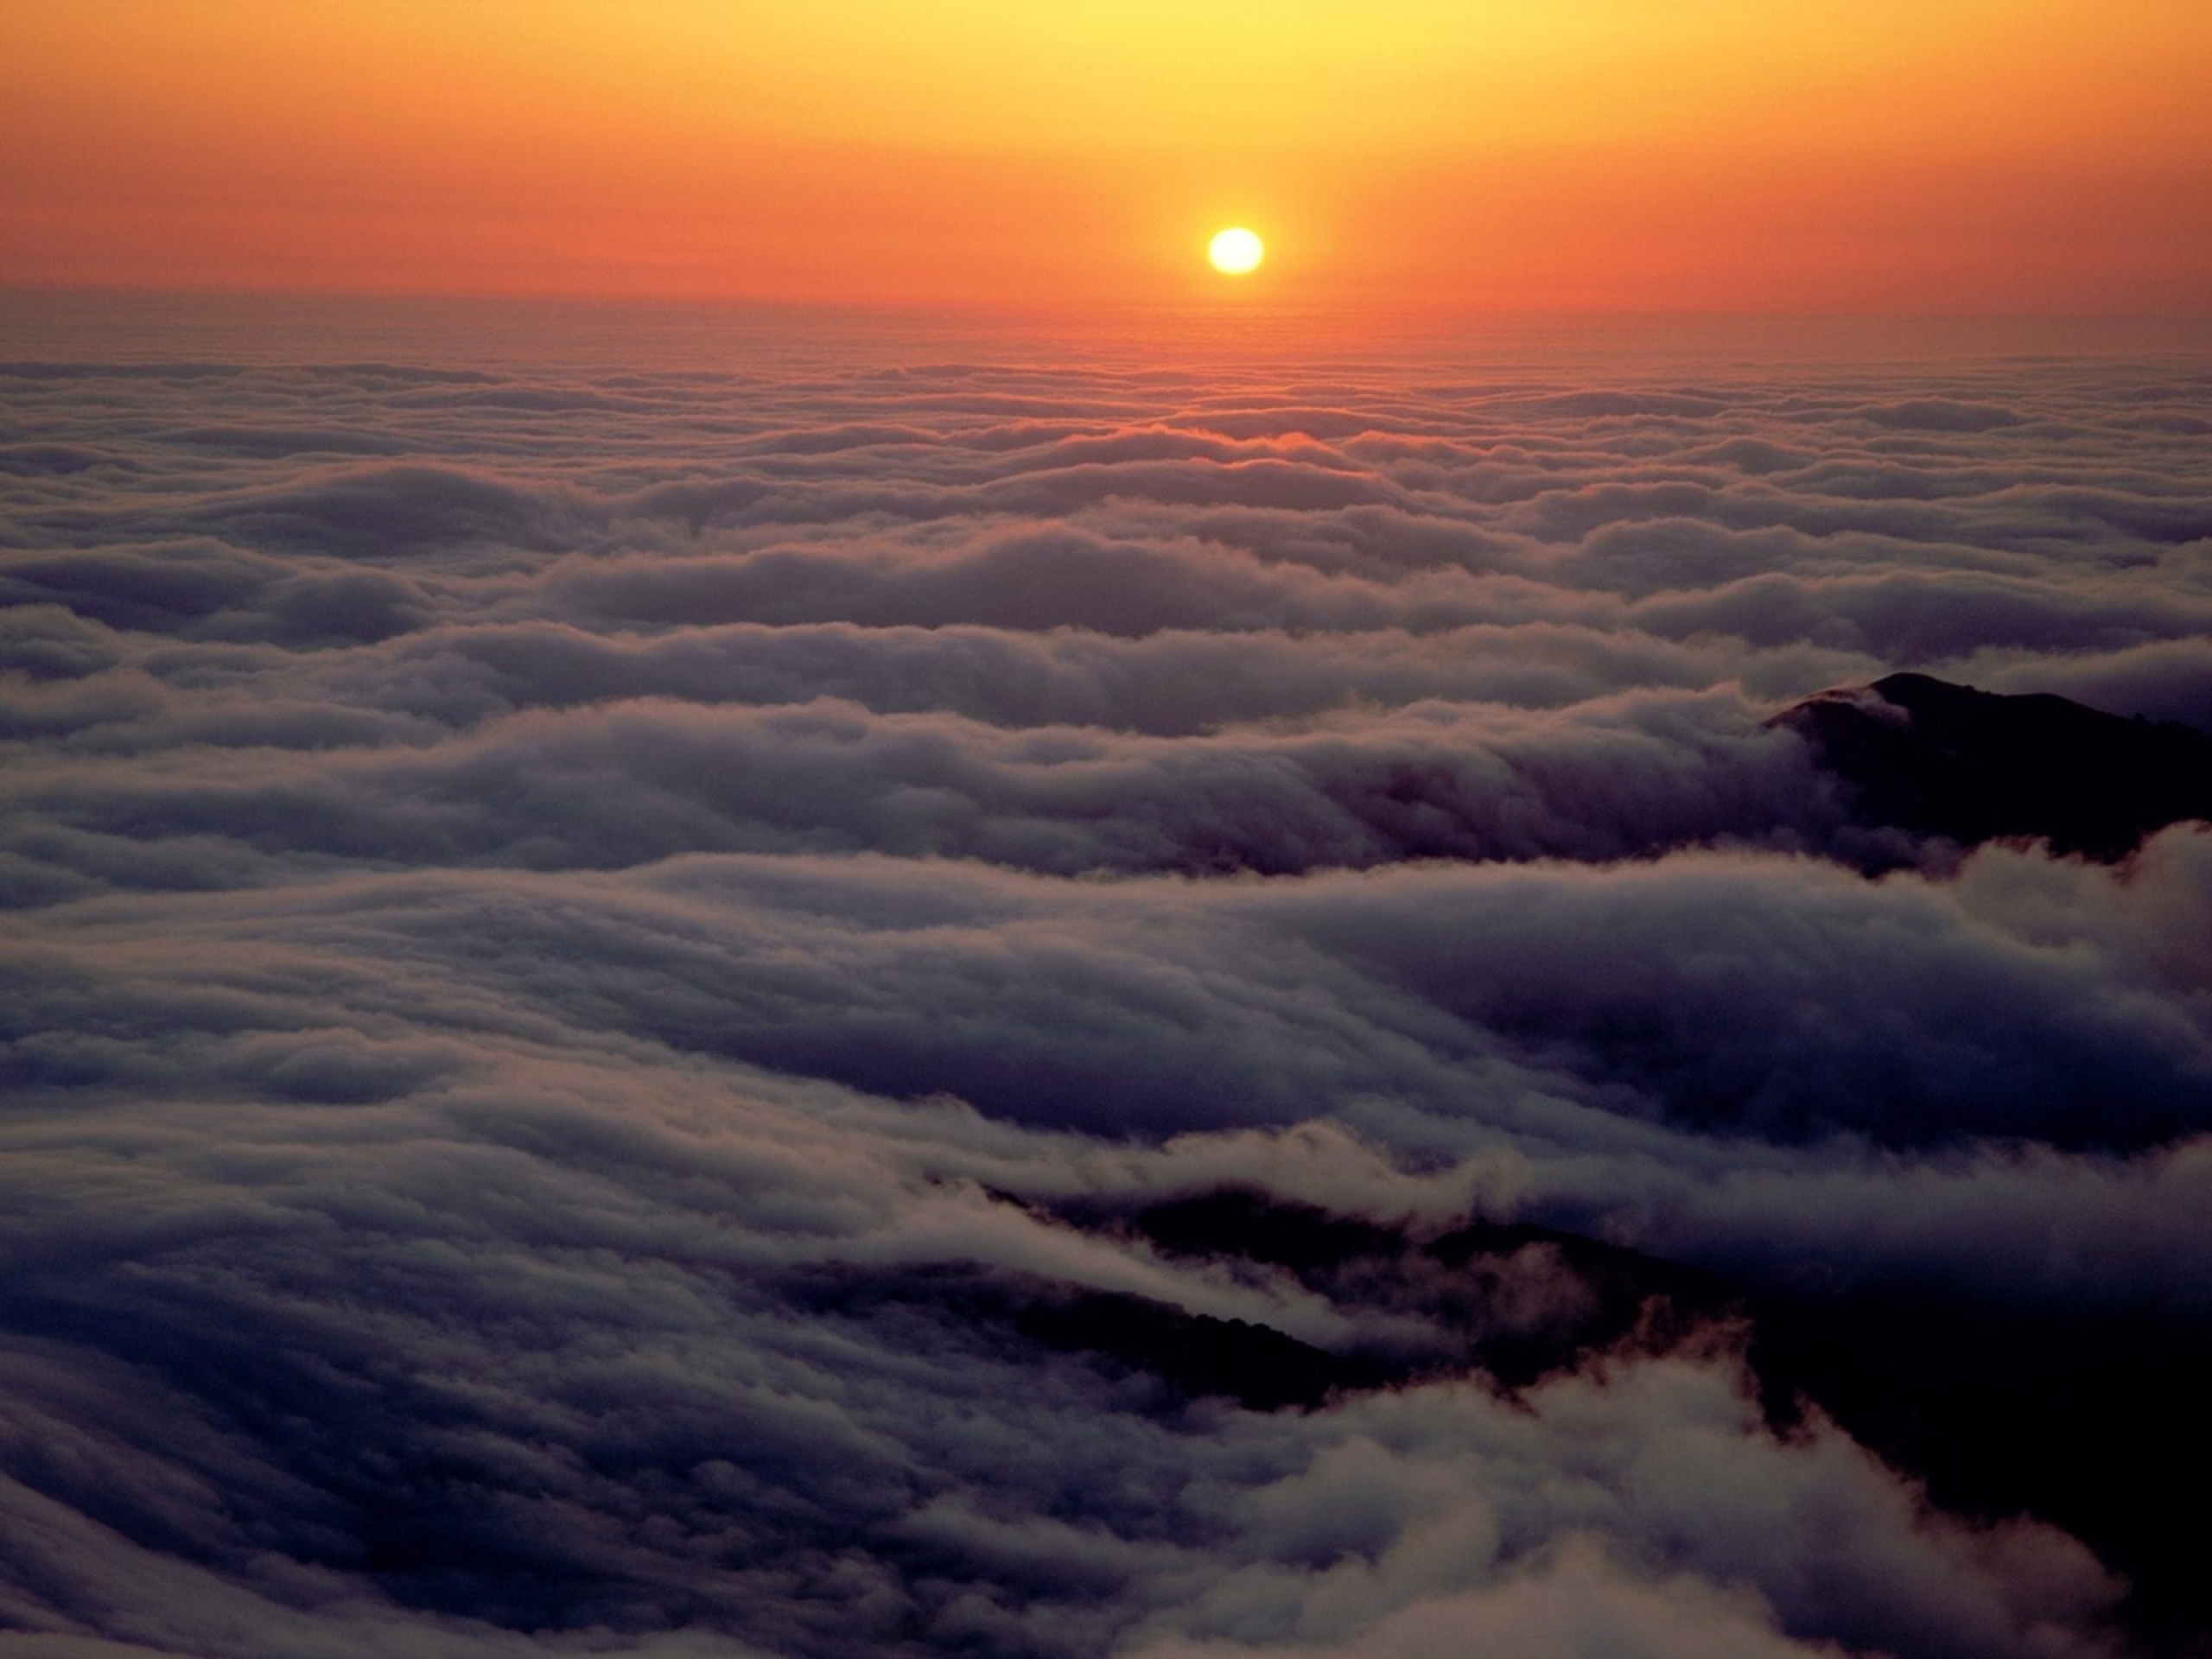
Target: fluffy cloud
<point>616,978</point>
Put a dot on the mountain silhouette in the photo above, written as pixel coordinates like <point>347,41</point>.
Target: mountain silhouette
<point>1924,755</point>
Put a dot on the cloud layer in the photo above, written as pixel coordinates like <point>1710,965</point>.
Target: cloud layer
<point>605,967</point>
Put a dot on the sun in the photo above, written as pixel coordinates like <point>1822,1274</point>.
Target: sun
<point>1235,252</point>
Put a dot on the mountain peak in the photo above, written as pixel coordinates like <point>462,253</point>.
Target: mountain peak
<point>1935,758</point>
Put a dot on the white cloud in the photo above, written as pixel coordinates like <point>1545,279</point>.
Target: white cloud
<point>607,965</point>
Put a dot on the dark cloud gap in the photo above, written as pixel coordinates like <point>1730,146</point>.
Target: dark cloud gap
<point>1513,1302</point>
<point>1103,1011</point>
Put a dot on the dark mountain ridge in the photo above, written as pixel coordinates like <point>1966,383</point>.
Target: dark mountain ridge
<point>2076,1416</point>
<point>1926,756</point>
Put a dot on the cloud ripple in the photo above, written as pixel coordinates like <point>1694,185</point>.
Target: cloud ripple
<point>599,963</point>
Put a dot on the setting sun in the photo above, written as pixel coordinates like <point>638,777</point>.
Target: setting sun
<point>1454,157</point>
<point>1236,251</point>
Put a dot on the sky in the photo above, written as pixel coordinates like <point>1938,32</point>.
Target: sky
<point>1409,156</point>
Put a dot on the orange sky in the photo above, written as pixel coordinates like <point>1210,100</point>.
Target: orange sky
<point>1953,156</point>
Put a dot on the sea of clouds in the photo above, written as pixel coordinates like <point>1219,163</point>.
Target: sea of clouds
<point>603,964</point>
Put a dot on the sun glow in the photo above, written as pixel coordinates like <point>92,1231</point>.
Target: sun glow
<point>1599,156</point>
<point>1236,251</point>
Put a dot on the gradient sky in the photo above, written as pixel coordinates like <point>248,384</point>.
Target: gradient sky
<point>1965,156</point>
